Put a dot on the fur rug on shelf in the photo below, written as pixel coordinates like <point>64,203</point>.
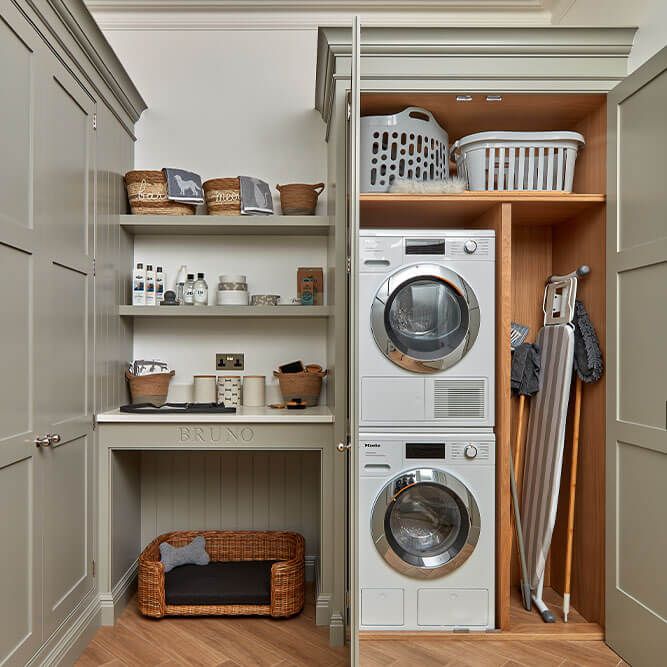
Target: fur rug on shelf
<point>447,186</point>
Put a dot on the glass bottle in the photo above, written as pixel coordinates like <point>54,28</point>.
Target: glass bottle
<point>201,291</point>
<point>189,290</point>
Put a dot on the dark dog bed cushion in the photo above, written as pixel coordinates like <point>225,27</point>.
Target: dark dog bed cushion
<point>230,582</point>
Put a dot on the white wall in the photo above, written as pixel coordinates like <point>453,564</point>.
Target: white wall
<point>226,103</point>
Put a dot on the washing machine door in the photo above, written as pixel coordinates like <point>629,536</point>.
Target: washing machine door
<point>425,523</point>
<point>425,318</point>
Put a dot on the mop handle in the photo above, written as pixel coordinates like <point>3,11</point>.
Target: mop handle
<point>582,271</point>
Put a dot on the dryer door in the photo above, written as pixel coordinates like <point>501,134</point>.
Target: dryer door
<point>425,523</point>
<point>425,318</point>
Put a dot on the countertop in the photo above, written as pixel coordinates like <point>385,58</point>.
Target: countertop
<point>317,415</point>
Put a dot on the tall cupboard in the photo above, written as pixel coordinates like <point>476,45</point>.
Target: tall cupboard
<point>66,129</point>
<point>534,79</point>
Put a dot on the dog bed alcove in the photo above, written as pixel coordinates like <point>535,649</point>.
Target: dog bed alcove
<point>259,573</point>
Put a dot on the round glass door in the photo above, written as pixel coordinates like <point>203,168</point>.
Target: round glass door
<point>425,318</point>
<point>425,523</point>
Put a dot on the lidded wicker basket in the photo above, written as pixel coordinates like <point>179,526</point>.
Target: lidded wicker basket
<point>147,193</point>
<point>305,385</point>
<point>223,196</point>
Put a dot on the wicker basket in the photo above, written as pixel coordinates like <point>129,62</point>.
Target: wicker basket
<point>147,193</point>
<point>151,388</point>
<point>299,198</point>
<point>287,575</point>
<point>304,385</point>
<point>223,196</point>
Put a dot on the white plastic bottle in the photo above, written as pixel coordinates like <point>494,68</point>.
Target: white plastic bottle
<point>201,291</point>
<point>139,285</point>
<point>159,285</point>
<point>189,290</point>
<point>150,285</point>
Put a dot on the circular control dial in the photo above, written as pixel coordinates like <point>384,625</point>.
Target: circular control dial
<point>470,451</point>
<point>470,246</point>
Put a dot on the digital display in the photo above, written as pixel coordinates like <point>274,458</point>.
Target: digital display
<point>425,247</point>
<point>424,450</point>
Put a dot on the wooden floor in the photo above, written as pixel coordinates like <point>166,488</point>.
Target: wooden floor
<point>221,642</point>
<point>297,642</point>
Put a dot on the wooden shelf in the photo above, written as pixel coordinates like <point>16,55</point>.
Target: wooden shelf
<point>225,311</point>
<point>453,210</point>
<point>220,225</point>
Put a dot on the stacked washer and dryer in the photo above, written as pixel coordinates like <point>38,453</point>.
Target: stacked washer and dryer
<point>426,417</point>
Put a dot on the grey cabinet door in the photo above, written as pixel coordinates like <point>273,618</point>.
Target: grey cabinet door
<point>636,540</point>
<point>63,208</point>
<point>22,251</point>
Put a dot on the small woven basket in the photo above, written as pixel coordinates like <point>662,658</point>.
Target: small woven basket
<point>299,198</point>
<point>304,385</point>
<point>147,193</point>
<point>151,388</point>
<point>223,196</point>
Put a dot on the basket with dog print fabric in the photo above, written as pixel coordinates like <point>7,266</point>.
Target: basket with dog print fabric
<point>147,193</point>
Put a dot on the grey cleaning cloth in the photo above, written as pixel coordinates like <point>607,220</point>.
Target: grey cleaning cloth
<point>587,354</point>
<point>256,196</point>
<point>183,186</point>
<point>193,553</point>
<point>525,371</point>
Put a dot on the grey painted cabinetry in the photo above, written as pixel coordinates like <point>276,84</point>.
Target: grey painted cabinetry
<point>66,121</point>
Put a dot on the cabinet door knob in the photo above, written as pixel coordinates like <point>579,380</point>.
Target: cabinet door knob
<point>343,446</point>
<point>43,441</point>
<point>54,438</point>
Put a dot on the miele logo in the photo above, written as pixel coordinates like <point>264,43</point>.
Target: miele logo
<point>372,444</point>
<point>215,434</point>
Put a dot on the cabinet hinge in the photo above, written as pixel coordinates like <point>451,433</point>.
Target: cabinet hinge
<point>93,568</point>
<point>349,111</point>
<point>94,422</point>
<point>94,121</point>
<point>94,267</point>
<point>348,264</point>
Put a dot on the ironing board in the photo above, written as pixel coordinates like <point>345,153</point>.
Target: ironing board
<point>545,443</point>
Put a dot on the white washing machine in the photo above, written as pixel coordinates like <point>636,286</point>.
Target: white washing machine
<point>427,328</point>
<point>427,531</point>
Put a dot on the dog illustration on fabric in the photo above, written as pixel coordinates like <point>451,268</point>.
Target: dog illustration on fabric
<point>184,186</point>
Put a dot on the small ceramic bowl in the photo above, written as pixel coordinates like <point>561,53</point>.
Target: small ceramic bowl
<point>233,298</point>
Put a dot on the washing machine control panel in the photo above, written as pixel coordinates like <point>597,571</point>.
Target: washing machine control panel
<point>468,451</point>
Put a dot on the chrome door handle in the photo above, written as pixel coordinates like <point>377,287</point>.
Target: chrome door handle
<point>43,440</point>
<point>343,447</point>
<point>54,438</point>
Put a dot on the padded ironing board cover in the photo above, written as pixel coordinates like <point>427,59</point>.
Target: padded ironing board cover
<point>545,442</point>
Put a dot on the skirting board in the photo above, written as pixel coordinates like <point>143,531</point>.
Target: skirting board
<point>71,638</point>
<point>112,604</point>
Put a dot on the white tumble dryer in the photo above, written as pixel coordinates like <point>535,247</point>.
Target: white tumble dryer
<point>427,531</point>
<point>426,328</point>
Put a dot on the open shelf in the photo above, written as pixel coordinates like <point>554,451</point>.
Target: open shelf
<point>225,311</point>
<point>222,225</point>
<point>449,210</point>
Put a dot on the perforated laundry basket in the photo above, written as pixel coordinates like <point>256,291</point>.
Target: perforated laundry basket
<point>409,144</point>
<point>518,160</point>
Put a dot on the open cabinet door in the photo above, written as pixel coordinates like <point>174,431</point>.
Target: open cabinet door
<point>636,478</point>
<point>353,335</point>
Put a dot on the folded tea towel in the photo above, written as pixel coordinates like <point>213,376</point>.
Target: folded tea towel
<point>183,186</point>
<point>256,196</point>
<point>525,371</point>
<point>446,186</point>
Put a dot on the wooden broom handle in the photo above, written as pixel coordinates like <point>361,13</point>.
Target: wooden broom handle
<point>573,485</point>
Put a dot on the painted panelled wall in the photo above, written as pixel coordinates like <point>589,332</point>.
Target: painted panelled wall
<point>113,338</point>
<point>231,491</point>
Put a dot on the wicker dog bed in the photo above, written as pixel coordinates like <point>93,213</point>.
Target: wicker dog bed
<point>287,575</point>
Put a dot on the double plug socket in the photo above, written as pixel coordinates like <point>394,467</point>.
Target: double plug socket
<point>229,362</point>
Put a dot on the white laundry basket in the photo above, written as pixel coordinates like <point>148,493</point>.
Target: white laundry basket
<point>518,160</point>
<point>409,144</point>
